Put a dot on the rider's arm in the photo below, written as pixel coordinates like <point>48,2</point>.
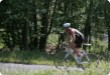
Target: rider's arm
<point>73,35</point>
<point>67,37</point>
<point>70,35</point>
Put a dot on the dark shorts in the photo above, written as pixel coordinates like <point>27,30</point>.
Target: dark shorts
<point>79,40</point>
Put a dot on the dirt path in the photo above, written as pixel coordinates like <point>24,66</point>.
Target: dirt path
<point>25,67</point>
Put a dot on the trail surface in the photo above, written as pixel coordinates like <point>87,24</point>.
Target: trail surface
<point>26,67</point>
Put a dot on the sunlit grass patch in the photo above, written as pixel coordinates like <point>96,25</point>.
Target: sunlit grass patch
<point>26,57</point>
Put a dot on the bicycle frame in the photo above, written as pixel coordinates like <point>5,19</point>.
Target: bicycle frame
<point>77,59</point>
<point>82,61</point>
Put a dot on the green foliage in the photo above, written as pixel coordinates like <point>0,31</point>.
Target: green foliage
<point>28,23</point>
<point>1,44</point>
<point>99,46</point>
<point>53,39</point>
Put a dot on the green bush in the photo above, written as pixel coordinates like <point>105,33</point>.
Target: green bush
<point>99,46</point>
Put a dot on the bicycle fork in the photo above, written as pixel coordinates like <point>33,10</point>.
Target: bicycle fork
<point>78,59</point>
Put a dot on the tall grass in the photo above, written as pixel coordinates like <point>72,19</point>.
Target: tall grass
<point>26,57</point>
<point>35,57</point>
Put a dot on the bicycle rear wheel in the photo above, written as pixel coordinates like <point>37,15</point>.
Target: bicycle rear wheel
<point>90,60</point>
<point>94,60</point>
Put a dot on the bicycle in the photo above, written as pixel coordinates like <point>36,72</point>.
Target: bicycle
<point>64,60</point>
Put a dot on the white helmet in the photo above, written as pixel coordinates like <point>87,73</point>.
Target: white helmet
<point>66,25</point>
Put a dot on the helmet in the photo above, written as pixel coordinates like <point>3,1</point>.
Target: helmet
<point>66,25</point>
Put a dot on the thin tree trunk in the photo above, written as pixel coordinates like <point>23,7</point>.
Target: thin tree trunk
<point>52,17</point>
<point>35,25</point>
<point>87,30</point>
<point>107,21</point>
<point>44,28</point>
<point>109,39</point>
<point>43,38</point>
<point>13,34</point>
<point>25,37</point>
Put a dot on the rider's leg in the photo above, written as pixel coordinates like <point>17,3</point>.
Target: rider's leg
<point>66,56</point>
<point>76,53</point>
<point>76,48</point>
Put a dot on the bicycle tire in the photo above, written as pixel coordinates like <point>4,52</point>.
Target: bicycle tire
<point>92,62</point>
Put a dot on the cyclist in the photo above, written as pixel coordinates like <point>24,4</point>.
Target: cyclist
<point>74,38</point>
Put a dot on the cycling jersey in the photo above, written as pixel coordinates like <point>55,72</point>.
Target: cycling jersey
<point>79,38</point>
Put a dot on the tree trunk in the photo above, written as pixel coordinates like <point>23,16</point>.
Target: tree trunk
<point>35,42</point>
<point>109,39</point>
<point>25,37</point>
<point>107,21</point>
<point>87,30</point>
<point>13,35</point>
<point>43,38</point>
<point>45,24</point>
<point>52,19</point>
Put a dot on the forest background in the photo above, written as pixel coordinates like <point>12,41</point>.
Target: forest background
<point>28,24</point>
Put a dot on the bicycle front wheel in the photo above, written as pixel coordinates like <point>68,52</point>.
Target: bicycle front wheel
<point>60,62</point>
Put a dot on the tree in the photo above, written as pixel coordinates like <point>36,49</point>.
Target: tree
<point>87,30</point>
<point>107,20</point>
<point>28,24</point>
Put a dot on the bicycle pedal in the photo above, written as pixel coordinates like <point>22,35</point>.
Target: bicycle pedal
<point>65,60</point>
<point>89,62</point>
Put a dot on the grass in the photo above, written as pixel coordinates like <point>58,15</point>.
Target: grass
<point>30,57</point>
<point>34,57</point>
<point>91,72</point>
<point>26,57</point>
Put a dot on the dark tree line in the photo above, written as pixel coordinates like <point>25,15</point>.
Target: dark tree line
<point>28,23</point>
